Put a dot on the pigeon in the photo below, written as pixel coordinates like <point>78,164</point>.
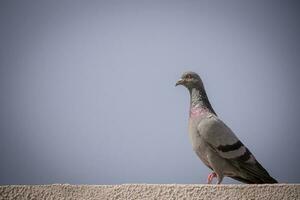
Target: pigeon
<point>215,143</point>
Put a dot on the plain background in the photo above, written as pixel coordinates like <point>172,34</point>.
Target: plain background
<point>87,90</point>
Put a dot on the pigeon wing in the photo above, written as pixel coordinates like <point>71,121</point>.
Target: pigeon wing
<point>226,144</point>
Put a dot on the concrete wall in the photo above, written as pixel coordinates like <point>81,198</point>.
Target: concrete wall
<point>144,191</point>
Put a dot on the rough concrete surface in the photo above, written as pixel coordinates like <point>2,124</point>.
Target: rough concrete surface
<point>146,191</point>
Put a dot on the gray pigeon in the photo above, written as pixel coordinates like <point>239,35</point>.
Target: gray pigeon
<point>215,143</point>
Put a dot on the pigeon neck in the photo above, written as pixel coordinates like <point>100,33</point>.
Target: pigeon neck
<point>199,99</point>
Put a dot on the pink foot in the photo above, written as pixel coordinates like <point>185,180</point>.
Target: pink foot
<point>210,177</point>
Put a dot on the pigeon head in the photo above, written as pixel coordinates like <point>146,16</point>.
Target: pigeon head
<point>190,80</point>
<point>194,84</point>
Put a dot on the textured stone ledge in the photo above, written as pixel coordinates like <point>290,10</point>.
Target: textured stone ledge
<point>146,191</point>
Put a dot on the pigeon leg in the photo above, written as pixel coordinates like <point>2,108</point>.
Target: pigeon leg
<point>210,177</point>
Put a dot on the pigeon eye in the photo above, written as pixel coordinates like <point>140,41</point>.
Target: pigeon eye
<point>189,76</point>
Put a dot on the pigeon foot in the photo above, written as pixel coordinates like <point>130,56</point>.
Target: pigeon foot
<point>210,177</point>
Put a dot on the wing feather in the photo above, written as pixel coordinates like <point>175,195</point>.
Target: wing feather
<point>226,144</point>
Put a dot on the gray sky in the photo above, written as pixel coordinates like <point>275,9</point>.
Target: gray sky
<point>88,96</point>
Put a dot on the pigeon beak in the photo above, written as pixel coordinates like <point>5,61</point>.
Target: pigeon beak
<point>180,82</point>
